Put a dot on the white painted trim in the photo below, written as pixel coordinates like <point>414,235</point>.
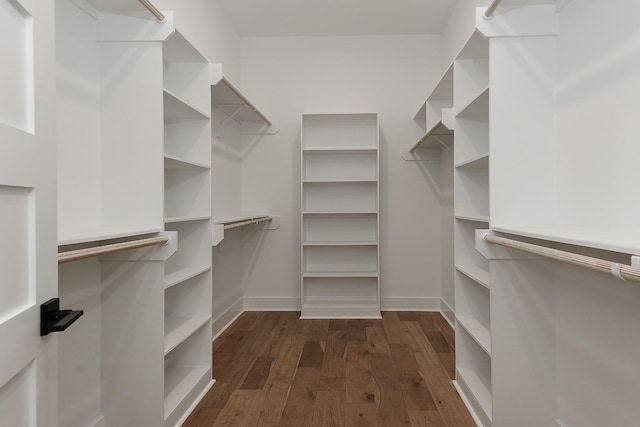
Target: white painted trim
<point>409,304</point>
<point>222,322</point>
<point>560,423</point>
<point>195,403</point>
<point>467,403</point>
<point>448,313</point>
<point>272,303</point>
<point>99,422</point>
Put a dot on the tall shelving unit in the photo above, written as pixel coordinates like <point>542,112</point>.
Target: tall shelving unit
<point>109,144</point>
<point>471,207</point>
<point>187,211</point>
<point>340,216</point>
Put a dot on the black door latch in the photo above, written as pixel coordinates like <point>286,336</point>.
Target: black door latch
<point>52,319</point>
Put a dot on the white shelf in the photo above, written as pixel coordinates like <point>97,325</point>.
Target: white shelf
<point>477,106</point>
<point>340,213</point>
<point>430,140</point>
<point>477,331</point>
<point>230,220</point>
<point>177,163</point>
<point>615,242</point>
<point>88,236</point>
<point>336,243</point>
<point>178,329</point>
<point>340,150</point>
<point>183,274</point>
<point>178,110</point>
<point>481,161</point>
<point>227,96</point>
<point>339,181</point>
<point>172,219</point>
<point>475,218</point>
<point>180,382</point>
<point>477,274</point>
<point>340,274</point>
<point>480,392</point>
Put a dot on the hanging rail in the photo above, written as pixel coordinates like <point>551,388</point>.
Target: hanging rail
<point>246,222</point>
<point>154,10</point>
<point>492,8</point>
<point>79,254</point>
<point>620,271</point>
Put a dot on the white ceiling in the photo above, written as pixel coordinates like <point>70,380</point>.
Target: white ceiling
<point>264,18</point>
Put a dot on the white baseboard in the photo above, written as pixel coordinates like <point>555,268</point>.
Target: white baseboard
<point>409,304</point>
<point>560,423</point>
<point>448,313</point>
<point>224,320</point>
<point>99,422</point>
<point>272,303</point>
<point>195,403</point>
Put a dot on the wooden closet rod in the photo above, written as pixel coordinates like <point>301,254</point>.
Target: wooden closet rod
<point>110,249</point>
<point>251,221</point>
<point>492,8</point>
<point>154,10</point>
<point>620,271</point>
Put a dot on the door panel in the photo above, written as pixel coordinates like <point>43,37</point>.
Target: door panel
<point>28,266</point>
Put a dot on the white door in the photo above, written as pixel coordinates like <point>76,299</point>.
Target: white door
<point>28,242</point>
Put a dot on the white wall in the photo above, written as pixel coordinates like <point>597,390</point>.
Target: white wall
<point>287,77</point>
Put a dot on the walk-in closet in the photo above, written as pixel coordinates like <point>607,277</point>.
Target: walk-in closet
<point>339,214</point>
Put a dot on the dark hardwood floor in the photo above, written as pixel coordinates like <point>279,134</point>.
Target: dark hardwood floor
<point>273,369</point>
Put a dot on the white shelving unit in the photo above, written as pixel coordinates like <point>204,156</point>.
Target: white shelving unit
<point>433,127</point>
<point>340,216</point>
<point>187,210</point>
<point>472,211</point>
<point>110,173</point>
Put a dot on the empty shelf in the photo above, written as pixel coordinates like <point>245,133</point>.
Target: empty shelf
<point>341,274</point>
<point>475,273</point>
<point>477,331</point>
<point>178,329</point>
<point>183,274</point>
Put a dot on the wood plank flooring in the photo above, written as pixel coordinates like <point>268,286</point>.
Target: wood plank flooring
<point>273,369</point>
